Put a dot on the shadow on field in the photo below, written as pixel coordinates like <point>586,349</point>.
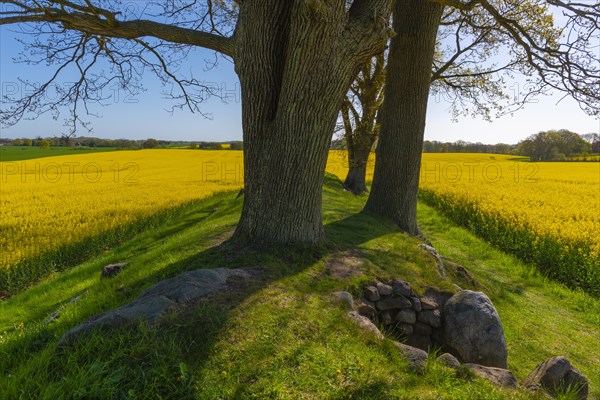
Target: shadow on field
<point>192,333</point>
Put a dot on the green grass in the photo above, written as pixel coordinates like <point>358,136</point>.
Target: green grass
<point>280,337</point>
<point>19,153</point>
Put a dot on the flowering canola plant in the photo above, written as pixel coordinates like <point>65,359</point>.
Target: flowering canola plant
<point>49,203</point>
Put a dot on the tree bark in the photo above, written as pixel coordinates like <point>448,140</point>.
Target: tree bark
<point>359,149</point>
<point>396,178</point>
<point>295,63</point>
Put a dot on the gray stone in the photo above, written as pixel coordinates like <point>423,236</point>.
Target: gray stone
<point>406,316</point>
<point>384,289</point>
<point>402,288</point>
<point>437,336</point>
<point>386,318</point>
<point>417,358</point>
<point>371,293</point>
<point>343,298</point>
<point>498,376</point>
<point>448,360</point>
<point>393,302</point>
<point>366,308</point>
<point>423,329</point>
<point>438,297</point>
<point>111,270</point>
<point>159,299</point>
<point>365,324</point>
<point>419,341</point>
<point>404,329</point>
<point>428,303</point>
<point>473,330</point>
<point>556,374</point>
<point>430,317</point>
<point>416,304</point>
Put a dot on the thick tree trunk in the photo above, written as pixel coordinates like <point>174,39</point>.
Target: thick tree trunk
<point>396,179</point>
<point>294,65</point>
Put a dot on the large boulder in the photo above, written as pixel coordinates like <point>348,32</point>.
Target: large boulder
<point>556,374</point>
<point>473,331</point>
<point>166,296</point>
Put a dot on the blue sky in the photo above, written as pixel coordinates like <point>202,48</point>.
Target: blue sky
<point>145,115</point>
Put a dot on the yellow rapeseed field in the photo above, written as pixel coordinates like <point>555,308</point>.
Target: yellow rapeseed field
<point>50,202</point>
<point>552,198</point>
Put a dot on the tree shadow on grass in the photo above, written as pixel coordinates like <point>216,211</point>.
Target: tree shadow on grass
<point>209,318</point>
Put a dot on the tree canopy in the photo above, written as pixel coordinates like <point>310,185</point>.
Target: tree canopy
<point>554,146</point>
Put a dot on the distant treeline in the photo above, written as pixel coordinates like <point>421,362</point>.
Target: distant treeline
<point>553,145</point>
<point>70,141</point>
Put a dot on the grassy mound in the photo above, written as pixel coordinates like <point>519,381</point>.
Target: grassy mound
<point>280,337</point>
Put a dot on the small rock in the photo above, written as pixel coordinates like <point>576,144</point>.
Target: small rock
<point>448,360</point>
<point>417,358</point>
<point>473,331</point>
<point>419,341</point>
<point>386,318</point>
<point>111,270</point>
<point>393,302</point>
<point>404,329</point>
<point>366,308</point>
<point>384,289</point>
<point>365,324</point>
<point>423,329</point>
<point>371,293</point>
<point>498,376</point>
<point>402,288</point>
<point>440,298</point>
<point>431,317</point>
<point>428,303</point>
<point>416,303</point>
<point>406,316</point>
<point>343,298</point>
<point>555,374</point>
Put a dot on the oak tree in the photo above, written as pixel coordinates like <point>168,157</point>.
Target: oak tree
<point>295,60</point>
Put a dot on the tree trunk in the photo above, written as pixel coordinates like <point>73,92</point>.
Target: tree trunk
<point>396,179</point>
<point>295,65</point>
<point>359,150</point>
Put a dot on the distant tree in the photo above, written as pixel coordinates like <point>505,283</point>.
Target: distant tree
<point>66,139</point>
<point>194,146</point>
<point>27,142</point>
<point>17,142</point>
<point>43,143</point>
<point>237,145</point>
<point>150,144</point>
<point>553,146</point>
<point>359,120</point>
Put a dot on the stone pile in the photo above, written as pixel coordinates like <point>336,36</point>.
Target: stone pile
<point>465,326</point>
<point>394,305</point>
